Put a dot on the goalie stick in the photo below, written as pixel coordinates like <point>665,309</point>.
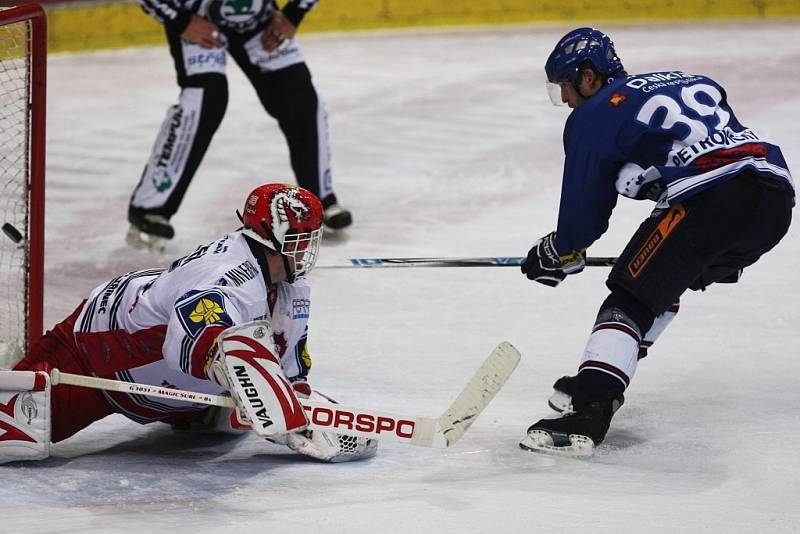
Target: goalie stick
<point>452,262</point>
<point>438,432</point>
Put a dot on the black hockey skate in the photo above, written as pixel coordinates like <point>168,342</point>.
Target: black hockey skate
<point>561,399</point>
<point>336,217</point>
<point>148,230</point>
<point>574,434</point>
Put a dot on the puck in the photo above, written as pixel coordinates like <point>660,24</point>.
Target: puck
<point>12,233</point>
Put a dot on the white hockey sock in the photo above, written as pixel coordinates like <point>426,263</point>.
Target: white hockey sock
<point>659,325</point>
<point>613,350</point>
<point>24,415</point>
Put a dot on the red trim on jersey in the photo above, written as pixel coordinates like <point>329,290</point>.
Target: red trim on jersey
<point>106,353</point>
<point>722,157</point>
<point>202,350</point>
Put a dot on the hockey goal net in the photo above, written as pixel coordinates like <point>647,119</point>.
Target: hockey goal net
<point>23,57</point>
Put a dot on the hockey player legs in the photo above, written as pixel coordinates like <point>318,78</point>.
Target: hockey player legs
<point>723,231</point>
<point>289,96</point>
<point>200,34</point>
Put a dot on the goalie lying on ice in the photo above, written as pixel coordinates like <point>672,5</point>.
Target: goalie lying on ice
<point>231,316</point>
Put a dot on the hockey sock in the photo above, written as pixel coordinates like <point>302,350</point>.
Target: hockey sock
<point>660,323</point>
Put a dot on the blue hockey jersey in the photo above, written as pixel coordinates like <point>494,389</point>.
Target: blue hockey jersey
<point>670,128</point>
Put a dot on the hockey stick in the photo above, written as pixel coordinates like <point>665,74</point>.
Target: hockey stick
<point>452,262</point>
<point>439,432</point>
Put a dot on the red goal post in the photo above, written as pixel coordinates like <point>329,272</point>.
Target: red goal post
<point>23,68</point>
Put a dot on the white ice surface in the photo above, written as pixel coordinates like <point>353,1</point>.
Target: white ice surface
<point>444,144</point>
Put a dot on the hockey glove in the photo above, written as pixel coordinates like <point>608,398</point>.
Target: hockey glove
<point>545,266</point>
<point>326,446</point>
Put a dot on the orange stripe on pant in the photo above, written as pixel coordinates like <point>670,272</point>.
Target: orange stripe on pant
<point>667,224</point>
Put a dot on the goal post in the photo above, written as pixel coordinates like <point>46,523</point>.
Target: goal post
<point>23,74</point>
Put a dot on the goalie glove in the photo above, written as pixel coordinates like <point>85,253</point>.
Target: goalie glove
<point>544,265</point>
<point>327,446</point>
<point>330,446</point>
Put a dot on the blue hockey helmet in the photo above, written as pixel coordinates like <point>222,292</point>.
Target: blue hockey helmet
<point>576,47</point>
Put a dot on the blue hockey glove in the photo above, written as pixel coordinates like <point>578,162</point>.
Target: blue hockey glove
<point>545,266</point>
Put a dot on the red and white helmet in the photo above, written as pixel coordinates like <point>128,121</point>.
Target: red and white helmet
<point>288,220</point>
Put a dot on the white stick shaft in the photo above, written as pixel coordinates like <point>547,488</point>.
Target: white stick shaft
<point>57,377</point>
<point>321,416</point>
<point>438,432</point>
<point>370,263</point>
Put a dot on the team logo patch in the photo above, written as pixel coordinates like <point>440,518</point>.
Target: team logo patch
<point>617,99</point>
<point>306,357</point>
<point>161,180</point>
<point>239,15</point>
<point>300,308</point>
<point>667,224</point>
<point>203,309</point>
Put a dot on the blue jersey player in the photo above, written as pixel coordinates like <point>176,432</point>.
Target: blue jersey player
<point>724,197</point>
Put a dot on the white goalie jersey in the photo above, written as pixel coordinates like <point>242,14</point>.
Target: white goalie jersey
<point>158,326</point>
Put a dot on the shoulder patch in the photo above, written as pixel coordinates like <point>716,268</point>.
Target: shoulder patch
<point>200,309</point>
<point>300,308</point>
<point>242,273</point>
<point>617,99</point>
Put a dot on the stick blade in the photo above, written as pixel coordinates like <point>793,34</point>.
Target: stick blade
<point>478,393</point>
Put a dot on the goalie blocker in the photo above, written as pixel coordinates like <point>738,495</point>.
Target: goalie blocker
<point>246,365</point>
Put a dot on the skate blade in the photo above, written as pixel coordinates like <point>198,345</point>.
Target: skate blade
<point>542,442</point>
<point>140,241</point>
<point>560,402</point>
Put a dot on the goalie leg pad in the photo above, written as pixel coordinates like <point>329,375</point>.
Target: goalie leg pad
<point>24,415</point>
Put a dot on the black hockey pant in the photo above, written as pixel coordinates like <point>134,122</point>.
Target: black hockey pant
<point>709,238</point>
<point>287,95</point>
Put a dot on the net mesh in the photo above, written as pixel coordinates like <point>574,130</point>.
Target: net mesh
<point>14,189</point>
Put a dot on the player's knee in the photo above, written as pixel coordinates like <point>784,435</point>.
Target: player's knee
<point>620,306</point>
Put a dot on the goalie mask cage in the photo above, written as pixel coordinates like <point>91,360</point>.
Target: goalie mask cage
<point>23,63</point>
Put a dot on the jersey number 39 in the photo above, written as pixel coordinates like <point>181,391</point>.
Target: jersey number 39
<point>676,112</point>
